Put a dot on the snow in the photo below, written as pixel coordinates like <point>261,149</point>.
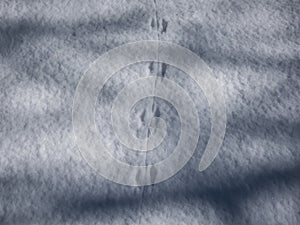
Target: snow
<point>46,46</point>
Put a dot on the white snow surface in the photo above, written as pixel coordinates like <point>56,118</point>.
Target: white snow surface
<point>46,46</point>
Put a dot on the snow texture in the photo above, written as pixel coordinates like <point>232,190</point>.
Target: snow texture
<point>46,46</point>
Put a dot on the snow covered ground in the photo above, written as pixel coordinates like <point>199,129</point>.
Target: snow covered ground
<point>46,46</point>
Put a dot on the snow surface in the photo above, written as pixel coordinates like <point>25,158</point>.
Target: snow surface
<point>46,46</point>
